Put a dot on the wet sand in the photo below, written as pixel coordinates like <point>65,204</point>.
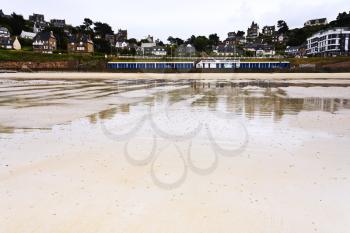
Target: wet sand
<point>237,76</point>
<point>174,156</point>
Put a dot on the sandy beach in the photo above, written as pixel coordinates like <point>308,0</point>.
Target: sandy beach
<point>86,152</point>
<point>234,76</point>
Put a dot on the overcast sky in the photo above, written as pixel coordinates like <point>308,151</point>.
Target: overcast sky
<point>180,18</point>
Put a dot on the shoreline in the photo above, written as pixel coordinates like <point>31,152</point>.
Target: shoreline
<point>203,76</point>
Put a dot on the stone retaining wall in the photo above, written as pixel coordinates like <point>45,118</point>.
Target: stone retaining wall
<point>49,65</point>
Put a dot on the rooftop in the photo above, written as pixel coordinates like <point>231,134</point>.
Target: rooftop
<point>44,36</point>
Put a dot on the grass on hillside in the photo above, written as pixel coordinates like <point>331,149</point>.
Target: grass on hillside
<point>318,60</point>
<point>12,55</point>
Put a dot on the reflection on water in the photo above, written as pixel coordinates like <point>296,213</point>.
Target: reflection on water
<point>263,101</point>
<point>249,99</point>
<point>109,113</point>
<point>256,102</point>
<point>6,130</point>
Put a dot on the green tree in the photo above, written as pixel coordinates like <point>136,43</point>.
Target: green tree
<point>160,43</point>
<point>175,41</point>
<point>26,42</point>
<point>102,46</point>
<point>102,29</point>
<point>240,33</point>
<point>132,41</point>
<point>298,36</point>
<point>343,20</point>
<point>282,27</point>
<point>15,24</point>
<point>343,15</point>
<point>73,30</point>
<point>191,40</point>
<point>201,43</point>
<point>214,39</point>
<point>249,53</point>
<point>87,24</point>
<point>85,28</point>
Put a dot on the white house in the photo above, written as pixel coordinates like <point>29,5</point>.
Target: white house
<point>159,51</point>
<point>27,35</point>
<point>265,52</point>
<point>217,64</point>
<point>316,22</point>
<point>121,45</point>
<point>148,45</point>
<point>152,51</point>
<point>334,41</point>
<point>261,50</point>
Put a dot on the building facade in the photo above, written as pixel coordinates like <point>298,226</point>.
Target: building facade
<point>253,32</point>
<point>80,44</point>
<point>121,45</point>
<point>44,42</point>
<point>234,39</point>
<point>4,32</point>
<point>121,36</point>
<point>151,65</point>
<point>316,22</point>
<point>58,23</point>
<point>185,51</point>
<point>236,64</point>
<point>5,38</point>
<point>231,35</point>
<point>227,50</point>
<point>158,51</point>
<point>37,18</point>
<point>261,50</point>
<point>27,35</point>
<point>148,45</point>
<point>150,39</point>
<point>329,42</point>
<point>295,51</point>
<point>39,22</point>
<point>269,30</point>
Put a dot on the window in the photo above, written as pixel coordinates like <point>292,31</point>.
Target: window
<point>331,36</point>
